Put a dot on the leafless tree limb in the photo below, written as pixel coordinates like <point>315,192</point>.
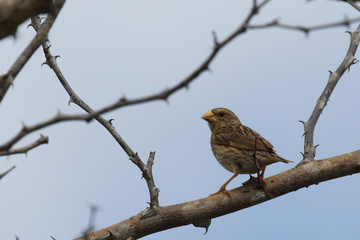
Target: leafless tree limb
<point>309,126</point>
<point>5,173</point>
<point>275,23</point>
<point>25,130</point>
<point>243,197</point>
<point>146,169</point>
<point>7,79</point>
<point>25,149</point>
<point>204,66</point>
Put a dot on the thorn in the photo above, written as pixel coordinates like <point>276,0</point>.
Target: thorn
<point>123,100</point>
<point>24,127</point>
<point>215,38</point>
<point>110,120</point>
<point>303,155</point>
<point>58,113</point>
<point>302,122</point>
<point>303,134</point>
<point>45,63</point>
<point>305,30</point>
<point>317,145</point>
<point>330,72</point>
<point>57,56</point>
<point>348,32</point>
<point>48,47</point>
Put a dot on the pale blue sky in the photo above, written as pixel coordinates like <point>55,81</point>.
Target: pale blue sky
<point>269,78</point>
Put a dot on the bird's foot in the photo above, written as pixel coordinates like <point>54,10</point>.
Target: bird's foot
<point>261,182</point>
<point>222,190</point>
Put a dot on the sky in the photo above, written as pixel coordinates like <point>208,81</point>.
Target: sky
<point>270,78</point>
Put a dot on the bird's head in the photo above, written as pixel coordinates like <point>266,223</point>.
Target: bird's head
<point>219,117</point>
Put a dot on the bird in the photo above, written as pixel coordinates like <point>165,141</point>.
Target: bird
<point>238,148</point>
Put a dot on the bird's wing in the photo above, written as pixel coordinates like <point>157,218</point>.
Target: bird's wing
<point>241,137</point>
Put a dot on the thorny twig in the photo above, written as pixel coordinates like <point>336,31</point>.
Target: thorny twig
<point>25,149</point>
<point>309,125</point>
<point>7,79</point>
<point>74,98</point>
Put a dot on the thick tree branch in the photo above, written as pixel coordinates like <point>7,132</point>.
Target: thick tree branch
<point>246,196</point>
<point>309,126</point>
<point>7,79</point>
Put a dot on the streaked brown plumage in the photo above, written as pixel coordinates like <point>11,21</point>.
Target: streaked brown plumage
<point>233,145</point>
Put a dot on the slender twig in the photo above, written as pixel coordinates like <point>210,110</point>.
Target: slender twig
<point>25,130</point>
<point>8,78</point>
<point>309,126</point>
<point>51,62</point>
<point>25,149</point>
<point>5,173</point>
<point>204,66</point>
<point>275,23</point>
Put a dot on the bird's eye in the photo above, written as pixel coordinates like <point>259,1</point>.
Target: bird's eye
<point>221,114</point>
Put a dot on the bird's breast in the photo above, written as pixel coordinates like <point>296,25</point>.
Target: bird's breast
<point>231,158</point>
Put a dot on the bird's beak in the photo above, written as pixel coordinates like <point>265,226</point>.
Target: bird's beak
<point>209,117</point>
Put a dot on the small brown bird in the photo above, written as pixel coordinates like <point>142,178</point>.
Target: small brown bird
<point>238,148</point>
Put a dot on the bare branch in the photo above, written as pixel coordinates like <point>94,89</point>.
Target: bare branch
<point>25,149</point>
<point>243,197</point>
<point>275,23</point>
<point>204,66</point>
<point>7,79</point>
<point>5,173</point>
<point>309,126</point>
<point>29,129</point>
<point>145,169</point>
